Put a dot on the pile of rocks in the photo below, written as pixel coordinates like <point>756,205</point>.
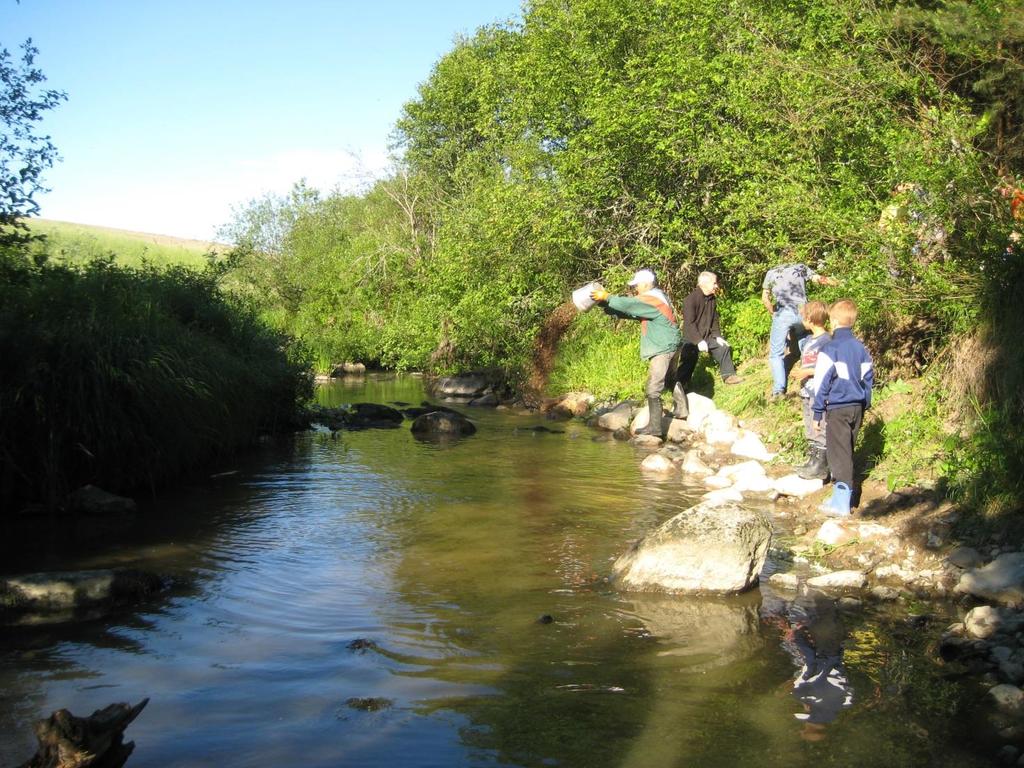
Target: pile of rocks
<point>709,447</point>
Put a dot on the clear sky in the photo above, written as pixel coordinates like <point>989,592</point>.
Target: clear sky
<point>179,111</point>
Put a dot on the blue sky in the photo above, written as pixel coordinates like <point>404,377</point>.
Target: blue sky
<point>179,111</point>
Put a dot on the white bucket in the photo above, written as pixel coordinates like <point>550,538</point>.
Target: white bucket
<point>581,296</point>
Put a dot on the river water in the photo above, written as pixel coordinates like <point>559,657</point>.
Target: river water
<point>369,599</point>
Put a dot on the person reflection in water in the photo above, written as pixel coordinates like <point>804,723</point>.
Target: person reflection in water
<point>813,637</point>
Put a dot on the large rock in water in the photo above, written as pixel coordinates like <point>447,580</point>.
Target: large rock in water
<point>466,385</point>
<point>442,423</point>
<point>708,548</point>
<point>59,590</point>
<point>90,500</point>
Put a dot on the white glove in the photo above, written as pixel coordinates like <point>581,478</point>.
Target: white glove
<point>702,346</point>
<point>721,342</point>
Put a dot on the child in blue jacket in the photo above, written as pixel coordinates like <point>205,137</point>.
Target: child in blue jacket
<point>843,377</point>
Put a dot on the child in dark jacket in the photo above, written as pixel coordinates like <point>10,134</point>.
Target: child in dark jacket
<point>843,377</point>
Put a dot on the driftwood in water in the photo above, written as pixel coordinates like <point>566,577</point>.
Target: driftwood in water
<point>66,741</point>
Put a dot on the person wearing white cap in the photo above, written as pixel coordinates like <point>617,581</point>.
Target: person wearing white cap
<point>659,342</point>
<point>703,332</point>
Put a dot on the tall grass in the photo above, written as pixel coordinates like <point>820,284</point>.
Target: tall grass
<point>599,354</point>
<point>125,377</point>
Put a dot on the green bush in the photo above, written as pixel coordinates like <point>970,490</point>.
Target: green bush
<point>126,377</point>
<point>984,466</point>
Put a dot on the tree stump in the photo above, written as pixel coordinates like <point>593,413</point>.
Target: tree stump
<point>66,741</point>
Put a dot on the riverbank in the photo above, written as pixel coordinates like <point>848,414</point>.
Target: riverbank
<point>129,378</point>
<point>909,547</point>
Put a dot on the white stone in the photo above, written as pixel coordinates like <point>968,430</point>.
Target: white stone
<point>749,445</point>
<point>707,548</point>
<point>656,463</point>
<point>784,580</point>
<point>832,533</point>
<point>722,495</point>
<point>1008,698</point>
<point>693,464</point>
<point>983,621</point>
<point>721,437</point>
<point>759,484</point>
<point>719,421</point>
<point>617,418</point>
<point>1001,580</point>
<point>794,485</point>
<point>647,441</point>
<point>679,430</point>
<point>839,580</point>
<point>718,482</point>
<point>700,407</point>
<point>743,469</point>
<point>893,571</point>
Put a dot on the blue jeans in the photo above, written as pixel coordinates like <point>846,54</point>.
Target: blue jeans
<point>786,323</point>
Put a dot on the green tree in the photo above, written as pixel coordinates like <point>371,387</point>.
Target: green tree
<point>24,152</point>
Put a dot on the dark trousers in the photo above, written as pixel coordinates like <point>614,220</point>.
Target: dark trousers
<point>688,360</point>
<point>841,427</point>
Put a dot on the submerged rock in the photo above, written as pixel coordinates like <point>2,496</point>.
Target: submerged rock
<point>784,581</point>
<point>839,580</point>
<point>369,703</point>
<point>656,463</point>
<point>443,423</point>
<point>90,500</point>
<point>569,405</point>
<point>64,590</point>
<point>373,416</point>
<point>707,548</point>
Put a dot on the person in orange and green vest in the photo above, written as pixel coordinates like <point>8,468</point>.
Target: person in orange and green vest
<point>659,343</point>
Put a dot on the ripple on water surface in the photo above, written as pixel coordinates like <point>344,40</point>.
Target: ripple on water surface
<point>463,584</point>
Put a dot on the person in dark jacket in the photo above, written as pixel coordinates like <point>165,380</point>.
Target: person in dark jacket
<point>843,377</point>
<point>659,342</point>
<point>702,332</point>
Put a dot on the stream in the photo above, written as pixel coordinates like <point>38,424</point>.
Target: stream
<point>371,599</point>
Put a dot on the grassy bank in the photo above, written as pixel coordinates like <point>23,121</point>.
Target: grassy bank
<point>69,243</point>
<point>126,377</point>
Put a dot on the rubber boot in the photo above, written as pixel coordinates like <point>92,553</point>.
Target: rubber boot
<point>838,504</point>
<point>681,407</point>
<point>654,418</point>
<point>817,468</point>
